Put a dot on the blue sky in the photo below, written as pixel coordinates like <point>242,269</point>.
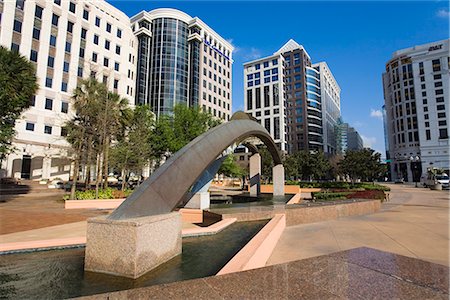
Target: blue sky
<point>355,38</point>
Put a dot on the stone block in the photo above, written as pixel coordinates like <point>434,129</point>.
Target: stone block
<point>200,200</point>
<point>132,247</point>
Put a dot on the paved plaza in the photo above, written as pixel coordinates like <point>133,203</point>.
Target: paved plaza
<point>414,223</point>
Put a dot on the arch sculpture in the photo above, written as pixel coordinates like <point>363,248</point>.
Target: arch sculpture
<point>169,184</point>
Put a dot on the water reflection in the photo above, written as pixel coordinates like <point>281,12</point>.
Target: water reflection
<point>60,273</point>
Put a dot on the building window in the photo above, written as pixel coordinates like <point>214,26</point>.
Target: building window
<point>258,98</point>
<point>81,52</point>
<point>69,27</point>
<point>438,84</point>
<point>257,66</point>
<point>66,66</point>
<point>428,134</point>
<point>38,12</point>
<point>17,26</point>
<point>36,33</point>
<point>97,21</point>
<point>441,115</point>
<point>95,39</point>
<point>72,7</point>
<point>117,49</point>
<point>29,126</point>
<point>85,14</point>
<point>116,83</point>
<point>63,131</point>
<point>266,64</point>
<point>48,129</point>
<point>57,2</point>
<point>436,65</point>
<point>68,47</point>
<point>119,33</point>
<point>275,62</point>
<point>443,134</point>
<point>94,57</point>
<point>80,72</point>
<point>116,66</point>
<point>64,86</point>
<point>439,92</point>
<point>108,27</point>
<point>83,33</point>
<point>52,40</point>
<point>14,47</point>
<point>64,107</point>
<point>106,62</point>
<point>48,82</point>
<point>55,19</point>
<point>440,107</point>
<point>20,4</point>
<point>48,103</point>
<point>51,61</point>
<point>442,123</point>
<point>33,55</point>
<point>107,44</point>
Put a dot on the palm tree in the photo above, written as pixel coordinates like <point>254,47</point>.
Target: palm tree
<point>18,84</point>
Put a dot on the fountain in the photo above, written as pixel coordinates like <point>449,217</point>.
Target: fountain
<point>144,231</point>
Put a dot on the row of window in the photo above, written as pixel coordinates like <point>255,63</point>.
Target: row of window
<point>49,104</point>
<point>215,89</point>
<point>216,67</point>
<point>72,8</point>
<point>30,126</point>
<point>265,64</point>
<point>225,61</point>
<point>215,101</point>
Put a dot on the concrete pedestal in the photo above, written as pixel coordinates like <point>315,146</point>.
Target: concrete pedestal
<point>255,174</point>
<point>200,200</point>
<point>132,247</point>
<point>278,180</point>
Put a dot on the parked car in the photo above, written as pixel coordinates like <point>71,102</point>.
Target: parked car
<point>432,179</point>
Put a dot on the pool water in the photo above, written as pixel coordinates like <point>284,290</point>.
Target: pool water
<point>245,200</point>
<point>57,274</point>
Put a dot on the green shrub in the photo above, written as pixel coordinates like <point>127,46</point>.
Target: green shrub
<point>330,195</point>
<point>108,193</point>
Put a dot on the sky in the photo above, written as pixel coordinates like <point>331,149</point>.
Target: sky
<point>355,39</point>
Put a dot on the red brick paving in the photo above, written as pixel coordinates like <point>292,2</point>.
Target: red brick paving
<point>38,210</point>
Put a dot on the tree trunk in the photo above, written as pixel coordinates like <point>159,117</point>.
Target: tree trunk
<point>105,161</point>
<point>88,163</point>
<point>123,179</point>
<point>74,181</point>
<point>98,178</point>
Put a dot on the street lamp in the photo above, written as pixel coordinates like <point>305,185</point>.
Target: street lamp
<point>414,159</point>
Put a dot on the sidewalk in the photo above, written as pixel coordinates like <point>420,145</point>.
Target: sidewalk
<point>414,223</point>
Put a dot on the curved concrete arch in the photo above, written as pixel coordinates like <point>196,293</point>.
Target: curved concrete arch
<point>169,184</point>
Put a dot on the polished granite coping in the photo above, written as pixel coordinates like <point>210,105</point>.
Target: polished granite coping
<point>360,273</point>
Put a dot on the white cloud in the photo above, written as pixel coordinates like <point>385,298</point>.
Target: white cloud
<point>376,113</point>
<point>443,13</point>
<point>358,124</point>
<point>251,54</point>
<point>368,141</point>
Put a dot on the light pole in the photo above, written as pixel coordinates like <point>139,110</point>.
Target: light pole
<point>415,160</point>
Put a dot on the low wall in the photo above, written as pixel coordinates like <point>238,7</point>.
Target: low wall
<point>323,212</point>
<point>256,253</point>
<point>296,199</point>
<point>190,215</point>
<point>288,189</point>
<point>309,213</point>
<point>93,204</point>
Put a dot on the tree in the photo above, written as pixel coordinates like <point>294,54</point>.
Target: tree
<point>172,133</point>
<point>18,84</point>
<point>363,164</point>
<point>133,149</point>
<point>230,168</point>
<point>306,165</point>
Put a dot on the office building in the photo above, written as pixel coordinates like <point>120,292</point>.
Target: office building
<point>347,138</point>
<point>330,94</point>
<point>161,58</point>
<point>181,60</point>
<point>66,41</point>
<point>416,99</point>
<point>264,97</point>
<point>283,92</point>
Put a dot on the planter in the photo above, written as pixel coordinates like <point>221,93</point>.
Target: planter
<point>93,204</point>
<point>437,187</point>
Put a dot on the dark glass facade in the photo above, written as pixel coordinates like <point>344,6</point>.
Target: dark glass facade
<point>163,65</point>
